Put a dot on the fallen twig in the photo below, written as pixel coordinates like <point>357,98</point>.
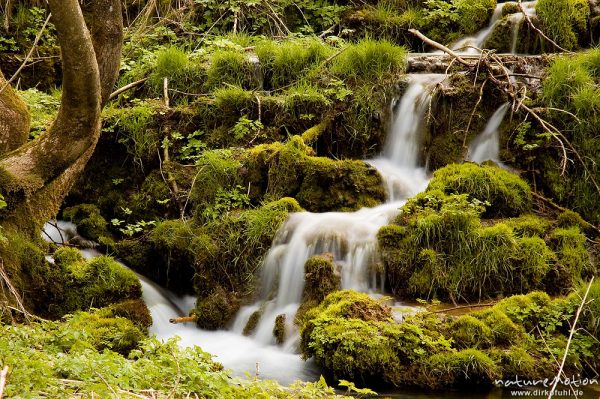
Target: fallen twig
<point>562,364</point>
<point>3,378</point>
<point>123,89</point>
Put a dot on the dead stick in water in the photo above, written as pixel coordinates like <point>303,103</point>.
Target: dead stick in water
<point>185,319</point>
<point>439,47</point>
<point>3,376</point>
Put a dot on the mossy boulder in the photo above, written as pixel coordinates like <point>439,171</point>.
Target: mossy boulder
<point>101,331</point>
<point>319,184</point>
<point>321,278</point>
<point>504,193</point>
<point>131,309</point>
<point>440,245</point>
<point>279,329</point>
<point>97,282</point>
<point>216,309</point>
<point>89,221</point>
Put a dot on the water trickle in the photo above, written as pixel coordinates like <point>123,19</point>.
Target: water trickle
<point>486,146</point>
<point>470,44</point>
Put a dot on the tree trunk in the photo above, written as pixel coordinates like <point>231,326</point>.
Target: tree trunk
<point>37,176</point>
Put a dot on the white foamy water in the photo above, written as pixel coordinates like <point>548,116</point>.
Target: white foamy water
<point>486,146</point>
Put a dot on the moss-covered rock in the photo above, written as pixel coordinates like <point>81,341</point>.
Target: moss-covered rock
<point>102,332</point>
<point>318,183</point>
<point>441,244</point>
<point>216,309</point>
<point>132,309</point>
<point>252,322</point>
<point>517,336</point>
<point>321,278</point>
<point>505,193</point>
<point>89,221</point>
<point>279,329</point>
<point>96,283</point>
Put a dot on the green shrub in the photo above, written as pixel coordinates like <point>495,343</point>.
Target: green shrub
<point>504,193</point>
<point>370,60</point>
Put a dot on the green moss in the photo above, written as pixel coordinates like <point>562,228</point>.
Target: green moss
<point>131,309</point>
<point>96,283</point>
<point>67,256</point>
<point>570,218</point>
<point>503,330</point>
<point>89,221</point>
<point>279,329</point>
<point>320,278</point>
<point>216,309</point>
<point>29,272</point>
<point>252,322</point>
<point>510,8</point>
<point>505,193</point>
<point>115,333</point>
<point>464,368</point>
<point>529,225</point>
<point>573,259</point>
<point>318,183</point>
<point>469,332</point>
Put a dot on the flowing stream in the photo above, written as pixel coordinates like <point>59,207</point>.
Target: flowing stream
<point>351,237</point>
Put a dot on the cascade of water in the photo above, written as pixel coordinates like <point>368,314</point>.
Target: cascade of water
<point>467,44</point>
<point>486,146</point>
<point>351,237</point>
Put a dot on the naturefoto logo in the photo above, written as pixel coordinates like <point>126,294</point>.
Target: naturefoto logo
<point>574,382</point>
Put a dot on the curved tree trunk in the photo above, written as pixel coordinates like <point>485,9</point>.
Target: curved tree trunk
<point>37,176</point>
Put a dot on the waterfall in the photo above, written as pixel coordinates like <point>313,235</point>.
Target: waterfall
<point>351,237</point>
<point>486,146</point>
<point>469,44</point>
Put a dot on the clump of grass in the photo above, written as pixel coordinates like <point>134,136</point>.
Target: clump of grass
<point>370,59</point>
<point>289,61</point>
<point>231,67</point>
<point>564,21</point>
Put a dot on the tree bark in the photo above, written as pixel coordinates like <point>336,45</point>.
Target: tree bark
<point>104,19</point>
<point>37,176</point>
<point>14,119</point>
